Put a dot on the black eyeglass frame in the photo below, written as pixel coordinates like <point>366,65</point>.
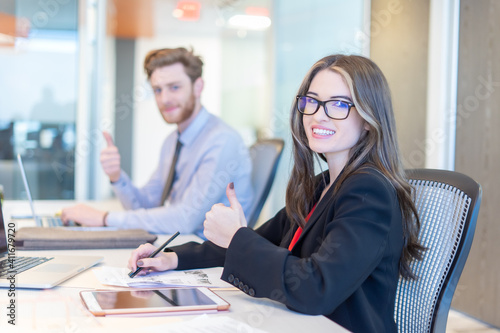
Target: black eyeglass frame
<point>323,104</point>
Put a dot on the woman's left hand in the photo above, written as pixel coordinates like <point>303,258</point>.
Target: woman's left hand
<point>221,222</point>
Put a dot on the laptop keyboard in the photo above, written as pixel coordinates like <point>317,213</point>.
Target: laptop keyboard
<point>20,264</point>
<point>52,222</point>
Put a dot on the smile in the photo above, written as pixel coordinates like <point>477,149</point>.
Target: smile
<point>321,131</point>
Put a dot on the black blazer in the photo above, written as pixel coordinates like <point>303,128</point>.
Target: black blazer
<point>344,265</point>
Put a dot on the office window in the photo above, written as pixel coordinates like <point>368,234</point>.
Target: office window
<point>38,99</point>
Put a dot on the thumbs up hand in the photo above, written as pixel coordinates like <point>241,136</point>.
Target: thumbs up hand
<point>110,158</point>
<point>221,222</point>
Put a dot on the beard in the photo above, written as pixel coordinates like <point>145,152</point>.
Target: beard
<point>183,114</point>
<point>188,109</point>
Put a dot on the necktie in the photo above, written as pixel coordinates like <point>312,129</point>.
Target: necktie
<point>171,173</point>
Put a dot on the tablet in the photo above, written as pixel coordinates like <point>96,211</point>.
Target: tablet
<point>152,301</point>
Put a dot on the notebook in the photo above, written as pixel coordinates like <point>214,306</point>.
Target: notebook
<point>35,272</point>
<point>41,221</point>
<point>37,238</point>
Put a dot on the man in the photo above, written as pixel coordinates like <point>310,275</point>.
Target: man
<point>211,155</point>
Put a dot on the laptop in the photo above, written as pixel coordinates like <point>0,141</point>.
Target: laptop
<point>35,272</point>
<point>41,221</point>
<point>49,221</point>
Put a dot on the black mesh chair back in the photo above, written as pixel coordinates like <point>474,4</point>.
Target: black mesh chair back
<point>448,205</point>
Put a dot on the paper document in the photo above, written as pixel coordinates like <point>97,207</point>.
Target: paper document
<point>118,276</point>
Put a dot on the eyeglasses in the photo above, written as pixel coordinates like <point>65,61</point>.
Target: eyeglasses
<point>334,108</point>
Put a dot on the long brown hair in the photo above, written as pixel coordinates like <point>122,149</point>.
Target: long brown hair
<point>379,148</point>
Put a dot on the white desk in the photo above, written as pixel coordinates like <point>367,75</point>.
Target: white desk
<point>60,309</point>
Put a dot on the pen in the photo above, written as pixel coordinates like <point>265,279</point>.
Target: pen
<point>134,273</point>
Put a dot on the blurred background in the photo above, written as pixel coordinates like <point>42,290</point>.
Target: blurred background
<point>70,69</point>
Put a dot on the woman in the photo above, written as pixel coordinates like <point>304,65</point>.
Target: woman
<point>345,236</point>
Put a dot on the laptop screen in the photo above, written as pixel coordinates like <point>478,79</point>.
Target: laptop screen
<point>3,236</point>
<point>27,188</point>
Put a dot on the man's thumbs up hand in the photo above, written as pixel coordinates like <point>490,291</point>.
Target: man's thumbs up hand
<point>108,138</point>
<point>110,158</point>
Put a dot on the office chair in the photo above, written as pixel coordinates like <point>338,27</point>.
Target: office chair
<point>265,155</point>
<point>448,205</point>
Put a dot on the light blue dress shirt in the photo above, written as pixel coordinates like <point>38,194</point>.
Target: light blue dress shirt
<point>212,155</point>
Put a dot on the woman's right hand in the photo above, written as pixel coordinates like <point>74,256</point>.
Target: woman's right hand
<point>163,261</point>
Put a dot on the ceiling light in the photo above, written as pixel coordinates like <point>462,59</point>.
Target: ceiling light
<point>249,22</point>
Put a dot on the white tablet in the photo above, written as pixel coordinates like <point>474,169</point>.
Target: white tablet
<point>152,301</point>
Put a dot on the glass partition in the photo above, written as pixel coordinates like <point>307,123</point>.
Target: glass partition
<point>38,104</point>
